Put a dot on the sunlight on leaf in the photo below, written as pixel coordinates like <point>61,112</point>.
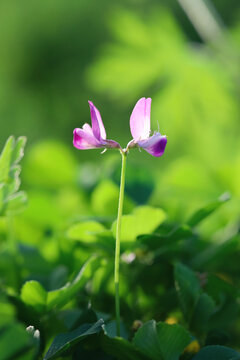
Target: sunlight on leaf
<point>143,220</point>
<point>85,231</point>
<point>33,294</point>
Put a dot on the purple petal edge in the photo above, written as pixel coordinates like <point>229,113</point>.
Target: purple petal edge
<point>83,140</point>
<point>97,124</point>
<point>155,145</point>
<point>111,144</point>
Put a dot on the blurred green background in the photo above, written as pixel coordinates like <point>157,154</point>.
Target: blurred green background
<point>55,55</point>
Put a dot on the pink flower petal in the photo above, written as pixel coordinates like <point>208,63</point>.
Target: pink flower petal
<point>97,124</point>
<point>155,145</point>
<point>87,128</point>
<point>83,140</point>
<point>140,119</point>
<point>111,144</point>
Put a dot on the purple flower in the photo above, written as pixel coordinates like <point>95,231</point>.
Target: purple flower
<point>140,129</point>
<point>93,137</point>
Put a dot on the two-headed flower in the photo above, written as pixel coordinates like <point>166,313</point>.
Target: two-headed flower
<point>95,137</point>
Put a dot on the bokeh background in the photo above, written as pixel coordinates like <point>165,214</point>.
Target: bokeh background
<point>55,55</point>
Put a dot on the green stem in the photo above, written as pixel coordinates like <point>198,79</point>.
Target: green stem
<point>118,236</point>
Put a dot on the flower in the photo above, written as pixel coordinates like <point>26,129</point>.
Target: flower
<point>93,137</point>
<point>140,130</point>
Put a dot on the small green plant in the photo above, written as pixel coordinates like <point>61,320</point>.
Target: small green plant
<point>95,137</point>
<point>58,271</point>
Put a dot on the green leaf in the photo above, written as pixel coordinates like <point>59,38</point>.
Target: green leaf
<point>156,241</point>
<point>143,220</point>
<point>18,151</point>
<point>104,199</point>
<point>225,314</point>
<point>188,288</point>
<point>5,159</point>
<point>16,202</point>
<point>14,340</point>
<point>58,298</point>
<point>2,195</point>
<point>161,341</point>
<point>204,212</point>
<point>219,288</point>
<point>64,342</point>
<point>85,231</point>
<point>214,256</point>
<point>204,308</point>
<point>110,329</point>
<point>217,337</point>
<point>197,306</point>
<point>33,294</point>
<point>217,352</point>
<point>12,153</point>
<point>121,348</point>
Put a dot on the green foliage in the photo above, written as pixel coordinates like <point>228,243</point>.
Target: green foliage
<point>161,341</point>
<point>34,295</point>
<point>201,214</point>
<point>43,247</point>
<point>86,231</point>
<point>21,343</point>
<point>58,298</point>
<point>64,342</point>
<point>137,52</point>
<point>195,103</point>
<point>7,312</point>
<point>188,288</point>
<point>24,345</point>
<point>50,164</point>
<point>180,247</point>
<point>204,308</point>
<point>217,352</point>
<point>105,199</point>
<point>11,200</point>
<point>154,46</point>
<point>143,220</point>
<point>197,306</point>
<point>121,349</point>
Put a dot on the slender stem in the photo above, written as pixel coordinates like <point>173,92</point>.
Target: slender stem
<point>118,236</point>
